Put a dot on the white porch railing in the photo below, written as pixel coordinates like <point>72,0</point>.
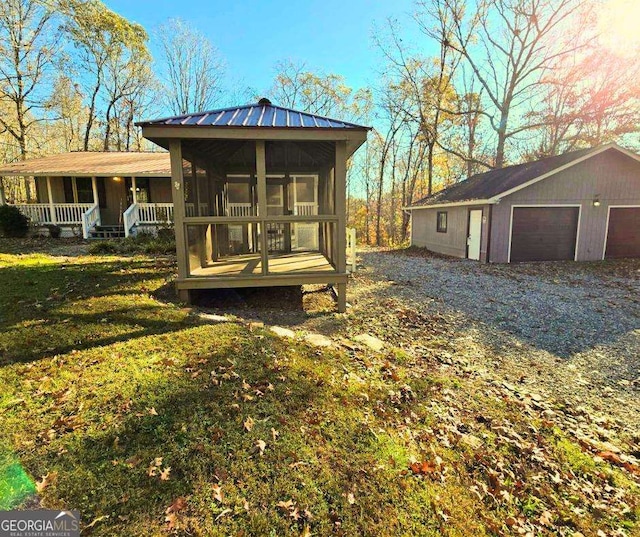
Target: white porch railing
<point>90,219</point>
<point>351,249</point>
<point>190,209</point>
<point>54,213</point>
<point>155,213</point>
<point>305,209</point>
<point>240,209</point>
<point>130,218</point>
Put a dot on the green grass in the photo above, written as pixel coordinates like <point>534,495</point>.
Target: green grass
<point>99,378</point>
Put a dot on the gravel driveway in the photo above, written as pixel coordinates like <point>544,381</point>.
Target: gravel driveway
<point>569,330</point>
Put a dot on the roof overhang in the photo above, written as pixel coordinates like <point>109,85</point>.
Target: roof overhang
<point>162,134</point>
<point>452,204</point>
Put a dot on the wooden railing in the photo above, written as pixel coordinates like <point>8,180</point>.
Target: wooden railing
<point>54,213</point>
<point>351,249</point>
<point>305,209</point>
<point>130,218</point>
<point>155,213</point>
<point>190,209</point>
<point>90,219</point>
<point>241,209</point>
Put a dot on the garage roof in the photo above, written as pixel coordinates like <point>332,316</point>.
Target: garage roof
<point>93,164</point>
<point>488,187</point>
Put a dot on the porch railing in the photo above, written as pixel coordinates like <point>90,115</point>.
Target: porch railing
<point>155,213</point>
<point>240,209</point>
<point>351,249</point>
<point>130,218</point>
<point>54,213</point>
<point>305,209</point>
<point>90,219</point>
<point>190,209</point>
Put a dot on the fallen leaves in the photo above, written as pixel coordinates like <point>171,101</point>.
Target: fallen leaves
<point>173,512</point>
<point>261,445</point>
<point>46,480</point>
<point>249,424</point>
<point>217,492</point>
<point>155,469</point>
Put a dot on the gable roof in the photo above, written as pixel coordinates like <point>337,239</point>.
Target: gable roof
<point>93,164</point>
<point>489,186</point>
<point>259,115</point>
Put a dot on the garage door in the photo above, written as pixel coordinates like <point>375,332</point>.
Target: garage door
<point>623,237</point>
<point>544,233</point>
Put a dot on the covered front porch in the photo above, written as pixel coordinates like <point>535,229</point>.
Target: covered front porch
<point>97,194</point>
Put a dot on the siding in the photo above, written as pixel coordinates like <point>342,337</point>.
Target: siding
<point>454,241</point>
<point>611,176</point>
<point>161,189</point>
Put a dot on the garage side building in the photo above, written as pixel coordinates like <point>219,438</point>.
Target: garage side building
<point>583,205</point>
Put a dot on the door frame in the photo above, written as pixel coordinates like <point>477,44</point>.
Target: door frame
<point>481,211</point>
<point>606,228</point>
<point>546,205</point>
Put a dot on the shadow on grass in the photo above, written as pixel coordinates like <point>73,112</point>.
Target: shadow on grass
<point>53,308</point>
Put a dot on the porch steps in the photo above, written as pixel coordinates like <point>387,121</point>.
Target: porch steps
<point>107,232</point>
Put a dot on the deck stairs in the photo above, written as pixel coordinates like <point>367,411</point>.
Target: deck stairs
<point>107,232</point>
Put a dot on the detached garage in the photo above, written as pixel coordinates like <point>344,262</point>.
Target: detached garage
<point>582,206</point>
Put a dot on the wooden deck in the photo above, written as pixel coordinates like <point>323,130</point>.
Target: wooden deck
<point>251,265</point>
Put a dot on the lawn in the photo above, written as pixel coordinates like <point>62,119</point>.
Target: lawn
<point>150,420</point>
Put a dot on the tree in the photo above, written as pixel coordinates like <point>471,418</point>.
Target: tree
<point>28,42</point>
<point>101,39</point>
<point>295,86</point>
<point>510,45</point>
<point>193,68</point>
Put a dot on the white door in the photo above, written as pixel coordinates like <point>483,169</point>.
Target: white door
<point>475,234</point>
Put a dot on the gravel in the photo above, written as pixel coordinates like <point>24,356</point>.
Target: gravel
<point>569,330</point>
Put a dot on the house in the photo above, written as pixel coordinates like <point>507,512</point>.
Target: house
<point>98,194</point>
<point>582,206</point>
<point>268,185</point>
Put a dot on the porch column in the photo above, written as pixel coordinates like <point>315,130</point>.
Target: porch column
<point>261,174</point>
<point>341,206</point>
<point>177,194</point>
<point>3,199</point>
<point>134,191</point>
<point>196,186</point>
<point>94,187</point>
<point>50,195</point>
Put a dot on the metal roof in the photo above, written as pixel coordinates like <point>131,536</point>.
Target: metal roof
<point>259,115</point>
<point>488,185</point>
<point>93,163</point>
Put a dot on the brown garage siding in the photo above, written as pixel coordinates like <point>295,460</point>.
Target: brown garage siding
<point>623,234</point>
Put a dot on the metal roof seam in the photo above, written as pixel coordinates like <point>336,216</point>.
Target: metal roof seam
<point>244,123</point>
<point>205,116</point>
<point>259,123</point>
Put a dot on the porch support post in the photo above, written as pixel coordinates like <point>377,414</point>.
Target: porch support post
<point>341,213</point>
<point>94,187</point>
<point>261,174</point>
<point>133,190</point>
<point>52,211</point>
<point>3,199</point>
<point>196,186</point>
<point>177,193</point>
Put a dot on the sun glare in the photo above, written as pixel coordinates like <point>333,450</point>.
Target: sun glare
<point>618,26</point>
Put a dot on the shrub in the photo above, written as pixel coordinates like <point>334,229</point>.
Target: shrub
<point>142,243</point>
<point>103,247</point>
<point>54,231</point>
<point>12,222</point>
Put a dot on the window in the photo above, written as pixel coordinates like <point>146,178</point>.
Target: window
<point>441,222</point>
<point>84,189</point>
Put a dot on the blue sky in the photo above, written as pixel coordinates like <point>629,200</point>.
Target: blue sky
<point>252,36</point>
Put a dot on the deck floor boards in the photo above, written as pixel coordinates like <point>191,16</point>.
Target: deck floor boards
<point>251,265</point>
